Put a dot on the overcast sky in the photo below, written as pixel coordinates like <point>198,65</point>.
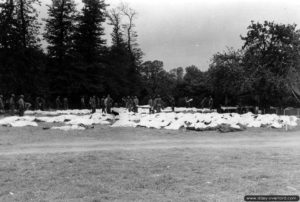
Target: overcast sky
<point>188,32</point>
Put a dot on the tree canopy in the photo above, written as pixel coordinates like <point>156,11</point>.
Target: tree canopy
<point>78,61</point>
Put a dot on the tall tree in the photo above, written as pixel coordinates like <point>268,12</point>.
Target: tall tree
<point>19,24</point>
<point>271,53</point>
<point>89,39</point>
<point>115,20</point>
<point>28,25</point>
<point>7,24</point>
<point>60,28</point>
<point>21,60</point>
<point>155,79</point>
<point>226,80</point>
<point>131,35</point>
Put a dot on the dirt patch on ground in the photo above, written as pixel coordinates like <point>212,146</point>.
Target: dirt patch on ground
<point>147,139</point>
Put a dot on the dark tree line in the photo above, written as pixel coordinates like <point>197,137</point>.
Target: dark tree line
<point>264,72</point>
<point>78,61</point>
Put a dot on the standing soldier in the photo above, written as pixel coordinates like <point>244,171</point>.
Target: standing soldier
<point>158,103</point>
<point>210,102</point>
<point>172,102</point>
<point>66,103</point>
<point>103,104</point>
<point>58,103</point>
<point>1,104</point>
<point>42,103</point>
<point>151,105</point>
<point>93,104</point>
<point>37,103</point>
<point>82,102</point>
<point>203,102</point>
<point>127,102</point>
<point>136,103</point>
<point>98,102</point>
<point>12,104</point>
<point>130,104</point>
<point>108,104</point>
<point>21,105</point>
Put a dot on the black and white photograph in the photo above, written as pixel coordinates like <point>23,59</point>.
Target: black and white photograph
<point>149,100</point>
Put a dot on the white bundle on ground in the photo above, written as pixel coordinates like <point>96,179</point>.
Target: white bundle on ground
<point>202,121</point>
<point>189,118</point>
<point>16,121</point>
<point>58,112</point>
<point>69,127</point>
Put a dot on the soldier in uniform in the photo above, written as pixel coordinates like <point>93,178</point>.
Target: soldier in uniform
<point>136,103</point>
<point>130,104</point>
<point>151,104</point>
<point>82,102</point>
<point>108,104</point>
<point>172,102</point>
<point>93,104</point>
<point>37,103</point>
<point>103,104</point>
<point>1,104</point>
<point>58,103</point>
<point>66,103</point>
<point>203,102</point>
<point>12,104</point>
<point>210,102</point>
<point>158,104</point>
<point>21,105</point>
<point>42,103</point>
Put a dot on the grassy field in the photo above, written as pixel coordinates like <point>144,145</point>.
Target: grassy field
<point>136,164</point>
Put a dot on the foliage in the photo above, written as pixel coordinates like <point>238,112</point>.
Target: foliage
<point>78,61</point>
<point>89,42</point>
<point>271,52</point>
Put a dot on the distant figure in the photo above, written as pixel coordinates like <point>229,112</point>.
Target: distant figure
<point>66,103</point>
<point>1,104</point>
<point>136,103</point>
<point>210,102</point>
<point>12,104</point>
<point>172,102</point>
<point>203,102</point>
<point>42,103</point>
<point>108,104</point>
<point>37,103</point>
<point>158,104</point>
<point>103,104</point>
<point>129,103</point>
<point>151,104</point>
<point>98,102</point>
<point>21,105</point>
<point>82,103</point>
<point>93,104</point>
<point>58,103</point>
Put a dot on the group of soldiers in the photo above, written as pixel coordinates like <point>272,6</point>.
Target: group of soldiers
<point>156,104</point>
<point>104,103</point>
<point>13,104</point>
<point>131,103</point>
